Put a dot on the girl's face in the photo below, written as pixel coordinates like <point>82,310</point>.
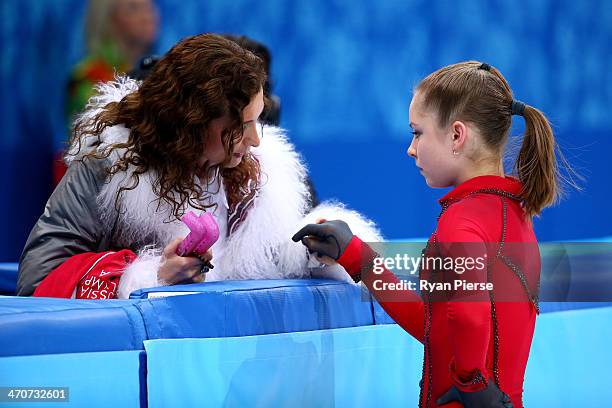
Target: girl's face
<point>214,152</point>
<point>432,147</point>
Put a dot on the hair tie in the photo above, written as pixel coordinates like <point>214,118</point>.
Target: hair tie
<point>485,66</point>
<point>518,108</point>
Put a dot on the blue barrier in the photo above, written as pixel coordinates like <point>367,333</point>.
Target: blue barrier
<point>365,366</point>
<point>34,326</point>
<point>103,379</point>
<point>244,308</point>
<point>570,359</point>
<point>8,278</point>
<point>352,367</point>
<point>234,359</point>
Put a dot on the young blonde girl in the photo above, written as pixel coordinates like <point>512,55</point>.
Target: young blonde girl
<point>476,344</point>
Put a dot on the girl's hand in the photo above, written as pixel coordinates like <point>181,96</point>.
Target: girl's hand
<point>490,397</point>
<point>324,259</point>
<point>176,269</point>
<point>326,239</point>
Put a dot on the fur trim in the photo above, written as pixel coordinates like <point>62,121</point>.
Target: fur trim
<point>111,91</point>
<point>140,219</point>
<point>361,226</point>
<point>105,93</point>
<point>142,273</point>
<point>266,233</point>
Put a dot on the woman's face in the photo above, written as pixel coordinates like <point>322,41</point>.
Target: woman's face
<point>136,21</point>
<point>431,147</point>
<point>214,152</point>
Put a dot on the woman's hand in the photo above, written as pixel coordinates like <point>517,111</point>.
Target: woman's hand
<point>176,269</point>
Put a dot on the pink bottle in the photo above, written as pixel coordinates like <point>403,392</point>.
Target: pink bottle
<point>204,232</point>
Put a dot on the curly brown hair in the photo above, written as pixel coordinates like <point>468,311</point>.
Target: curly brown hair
<point>200,79</point>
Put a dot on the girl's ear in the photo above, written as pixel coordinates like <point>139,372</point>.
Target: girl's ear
<point>458,134</point>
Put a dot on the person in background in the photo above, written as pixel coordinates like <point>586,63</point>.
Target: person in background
<point>117,34</point>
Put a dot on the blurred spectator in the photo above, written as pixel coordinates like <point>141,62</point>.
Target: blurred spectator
<point>117,34</point>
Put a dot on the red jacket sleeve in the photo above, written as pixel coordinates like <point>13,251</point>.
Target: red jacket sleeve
<point>88,275</point>
<point>404,306</point>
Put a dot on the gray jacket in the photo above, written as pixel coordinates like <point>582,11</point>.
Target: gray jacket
<point>69,225</point>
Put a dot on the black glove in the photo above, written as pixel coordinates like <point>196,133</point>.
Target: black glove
<point>329,238</point>
<point>490,397</point>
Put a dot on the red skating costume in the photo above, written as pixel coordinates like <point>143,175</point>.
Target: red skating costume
<point>470,343</point>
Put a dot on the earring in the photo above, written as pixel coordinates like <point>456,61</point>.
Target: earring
<point>455,153</point>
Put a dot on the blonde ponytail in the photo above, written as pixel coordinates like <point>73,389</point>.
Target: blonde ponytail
<point>536,163</point>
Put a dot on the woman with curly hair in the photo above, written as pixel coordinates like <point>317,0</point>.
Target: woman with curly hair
<point>143,154</point>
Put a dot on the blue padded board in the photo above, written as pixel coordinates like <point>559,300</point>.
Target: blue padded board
<point>244,308</point>
<point>8,278</point>
<point>570,359</point>
<point>105,379</point>
<point>371,366</point>
<point>30,326</point>
<point>48,326</point>
<point>366,366</point>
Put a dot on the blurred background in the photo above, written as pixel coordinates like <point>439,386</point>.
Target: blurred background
<point>343,72</point>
